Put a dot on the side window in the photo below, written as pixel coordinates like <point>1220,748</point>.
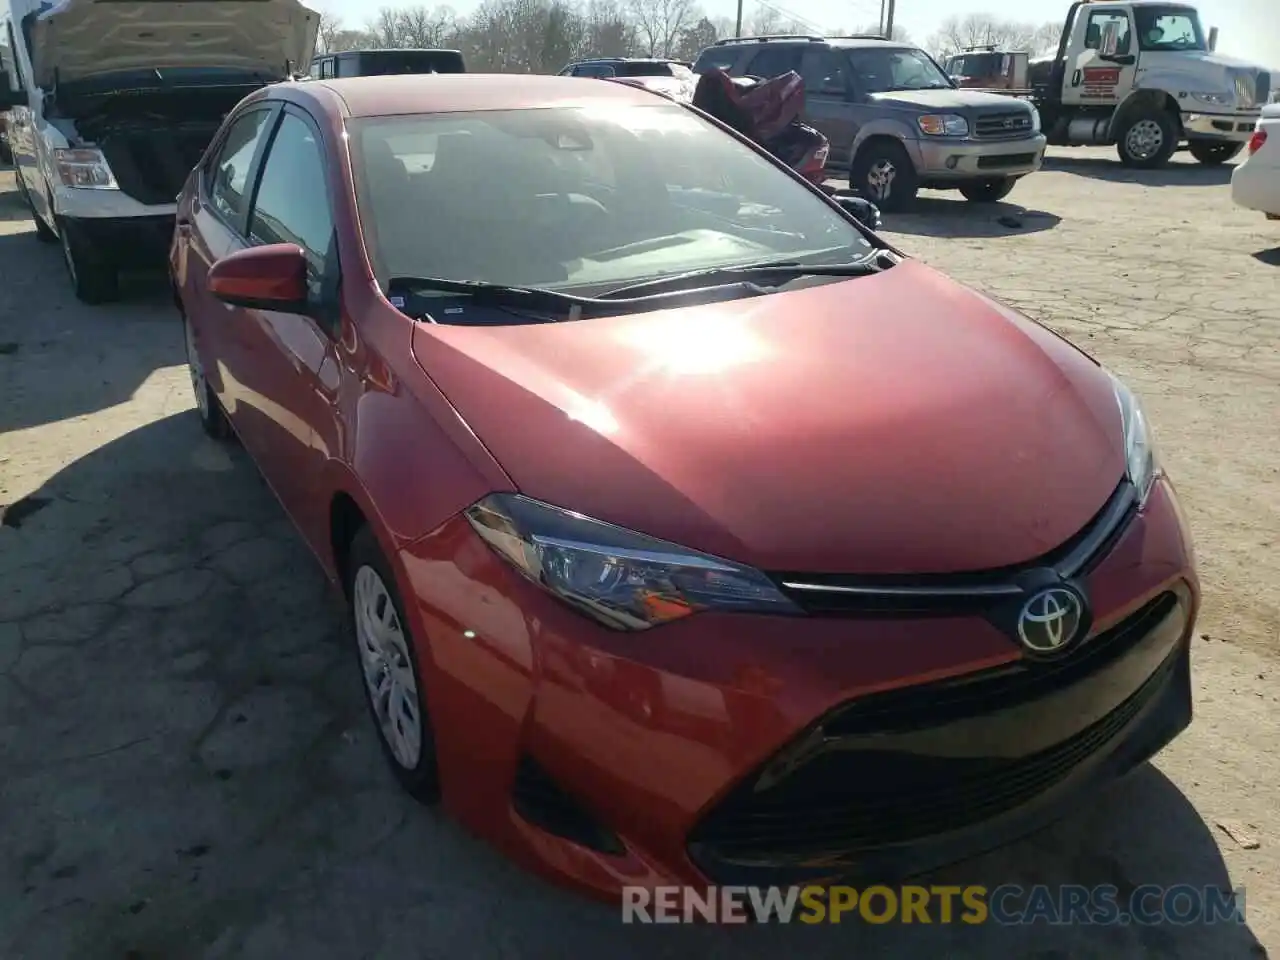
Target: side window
<point>292,203</point>
<point>228,190</point>
<point>824,73</point>
<point>1099,21</point>
<point>713,58</point>
<point>326,68</point>
<point>774,61</point>
<point>594,70</point>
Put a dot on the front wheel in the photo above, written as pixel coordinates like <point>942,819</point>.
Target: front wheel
<point>988,191</point>
<point>389,668</point>
<point>1147,139</point>
<point>94,277</point>
<point>213,420</point>
<point>884,174</point>
<point>1213,154</point>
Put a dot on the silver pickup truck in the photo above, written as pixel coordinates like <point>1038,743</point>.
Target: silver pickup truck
<point>895,120</point>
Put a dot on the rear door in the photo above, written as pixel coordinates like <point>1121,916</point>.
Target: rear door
<point>827,97</point>
<point>773,60</point>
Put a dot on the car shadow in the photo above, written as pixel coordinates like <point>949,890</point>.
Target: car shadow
<point>1270,257</point>
<point>60,358</point>
<point>1179,172</point>
<point>938,215</point>
<point>179,683</point>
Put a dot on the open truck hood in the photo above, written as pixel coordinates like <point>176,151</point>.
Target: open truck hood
<point>77,39</point>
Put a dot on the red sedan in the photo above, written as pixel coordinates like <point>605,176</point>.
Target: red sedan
<point>691,533</point>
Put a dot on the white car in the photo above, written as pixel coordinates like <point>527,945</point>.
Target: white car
<point>1255,185</point>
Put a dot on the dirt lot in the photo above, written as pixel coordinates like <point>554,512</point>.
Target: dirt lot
<point>185,767</point>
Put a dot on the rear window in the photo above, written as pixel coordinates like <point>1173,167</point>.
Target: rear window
<point>643,69</point>
<point>716,58</point>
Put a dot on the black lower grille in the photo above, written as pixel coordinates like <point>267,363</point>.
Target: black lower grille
<point>541,801</point>
<point>1005,161</point>
<point>856,782</point>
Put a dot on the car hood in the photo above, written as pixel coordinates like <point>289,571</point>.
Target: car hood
<point>896,423</point>
<point>76,39</point>
<point>944,99</point>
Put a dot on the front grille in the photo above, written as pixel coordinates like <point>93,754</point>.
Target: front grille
<point>1005,125</point>
<point>1006,160</point>
<point>957,594</point>
<point>842,802</point>
<point>152,165</point>
<point>542,802</point>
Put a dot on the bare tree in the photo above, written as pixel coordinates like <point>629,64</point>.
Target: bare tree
<point>694,39</point>
<point>766,21</point>
<point>659,23</point>
<point>610,32</point>
<point>417,26</point>
<point>874,29</point>
<point>327,33</point>
<point>982,29</point>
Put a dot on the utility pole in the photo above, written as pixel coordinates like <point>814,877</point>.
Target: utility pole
<point>888,26</point>
<point>882,2</point>
<point>737,30</point>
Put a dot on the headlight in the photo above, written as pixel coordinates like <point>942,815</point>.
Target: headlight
<point>1222,99</point>
<point>943,125</point>
<point>1142,465</point>
<point>85,168</point>
<point>625,580</point>
<point>1035,120</point>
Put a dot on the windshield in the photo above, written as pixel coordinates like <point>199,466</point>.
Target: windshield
<point>882,70</point>
<point>645,68</point>
<point>975,65</point>
<point>1169,28</point>
<point>416,61</point>
<point>579,198</point>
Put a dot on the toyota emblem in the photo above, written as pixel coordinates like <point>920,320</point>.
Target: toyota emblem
<point>1051,620</point>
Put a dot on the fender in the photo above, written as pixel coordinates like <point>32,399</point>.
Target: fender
<point>1146,96</point>
<point>892,127</point>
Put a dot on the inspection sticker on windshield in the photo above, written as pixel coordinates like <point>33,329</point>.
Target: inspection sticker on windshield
<point>397,302</point>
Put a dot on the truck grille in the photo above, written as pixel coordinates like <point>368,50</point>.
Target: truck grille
<point>1006,125</point>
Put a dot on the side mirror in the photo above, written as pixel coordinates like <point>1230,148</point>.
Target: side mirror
<point>271,277</point>
<point>1213,39</point>
<point>862,210</point>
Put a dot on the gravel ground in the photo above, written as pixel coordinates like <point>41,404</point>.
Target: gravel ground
<point>187,769</point>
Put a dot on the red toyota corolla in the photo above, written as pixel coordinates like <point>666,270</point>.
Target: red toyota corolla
<point>691,533</point>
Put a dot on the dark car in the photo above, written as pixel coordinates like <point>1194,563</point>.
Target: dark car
<point>627,67</point>
<point>691,534</point>
<point>381,63</point>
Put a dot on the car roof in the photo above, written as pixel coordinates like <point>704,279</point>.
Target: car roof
<point>800,40</point>
<point>459,92</point>
<point>625,60</point>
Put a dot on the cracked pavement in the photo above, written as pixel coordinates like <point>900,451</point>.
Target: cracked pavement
<point>186,766</point>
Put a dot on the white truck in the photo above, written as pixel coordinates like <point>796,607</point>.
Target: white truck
<point>113,103</point>
<point>1144,76</point>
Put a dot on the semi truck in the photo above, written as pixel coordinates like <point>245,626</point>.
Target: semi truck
<point>1143,76</point>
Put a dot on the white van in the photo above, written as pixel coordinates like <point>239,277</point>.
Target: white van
<point>112,105</point>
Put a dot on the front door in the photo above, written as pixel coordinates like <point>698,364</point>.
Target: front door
<point>828,98</point>
<point>288,362</point>
<point>1091,78</point>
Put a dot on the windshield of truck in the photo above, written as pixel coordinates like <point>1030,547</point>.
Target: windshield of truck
<point>579,198</point>
<point>1169,28</point>
<point>880,70</point>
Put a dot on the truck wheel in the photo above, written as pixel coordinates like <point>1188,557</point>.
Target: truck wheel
<point>94,278</point>
<point>884,174</point>
<point>1213,154</point>
<point>1147,139</point>
<point>988,191</point>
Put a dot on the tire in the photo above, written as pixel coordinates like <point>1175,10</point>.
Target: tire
<point>988,191</point>
<point>1213,154</point>
<point>94,277</point>
<point>379,631</point>
<point>213,419</point>
<point>1147,139</point>
<point>43,233</point>
<point>884,174</point>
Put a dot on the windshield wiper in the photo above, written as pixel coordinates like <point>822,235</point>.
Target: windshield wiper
<point>554,305</point>
<point>761,274</point>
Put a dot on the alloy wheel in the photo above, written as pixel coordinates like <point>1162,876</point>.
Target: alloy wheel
<point>1144,139</point>
<point>388,670</point>
<point>880,179</point>
<point>195,369</point>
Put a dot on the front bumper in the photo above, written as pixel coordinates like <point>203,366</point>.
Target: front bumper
<point>1256,187</point>
<point>1224,127</point>
<point>130,242</point>
<point>603,759</point>
<point>945,161</point>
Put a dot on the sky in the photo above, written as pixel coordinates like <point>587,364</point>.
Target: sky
<point>1249,28</point>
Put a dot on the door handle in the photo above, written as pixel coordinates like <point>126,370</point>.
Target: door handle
<point>1075,78</point>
